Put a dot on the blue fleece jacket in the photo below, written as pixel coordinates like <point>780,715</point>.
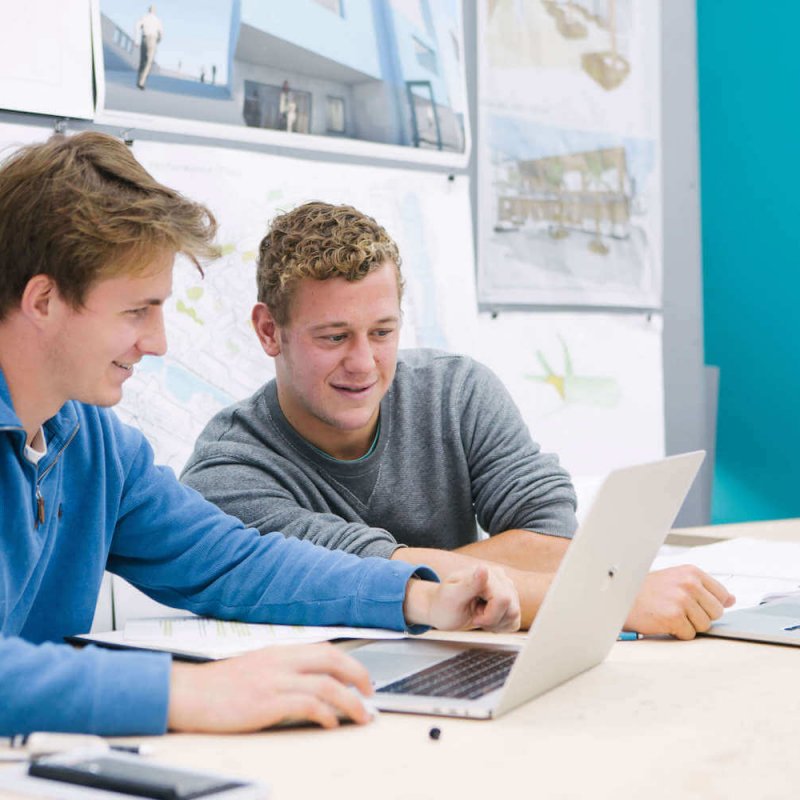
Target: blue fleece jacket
<point>96,501</point>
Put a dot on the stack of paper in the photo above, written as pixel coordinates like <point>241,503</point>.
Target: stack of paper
<point>751,569</point>
<point>215,638</point>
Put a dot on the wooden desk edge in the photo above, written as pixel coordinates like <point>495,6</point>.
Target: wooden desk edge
<point>782,530</point>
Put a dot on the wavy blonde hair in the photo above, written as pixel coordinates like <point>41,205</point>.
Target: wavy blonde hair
<point>319,241</point>
<point>80,209</point>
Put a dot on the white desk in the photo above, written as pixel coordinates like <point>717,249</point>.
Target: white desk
<point>659,719</point>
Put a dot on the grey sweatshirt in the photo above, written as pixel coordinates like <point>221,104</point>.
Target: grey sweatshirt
<point>452,448</point>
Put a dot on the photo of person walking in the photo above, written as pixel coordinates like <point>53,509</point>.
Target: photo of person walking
<point>151,30</point>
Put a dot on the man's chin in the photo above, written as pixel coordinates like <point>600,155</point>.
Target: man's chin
<point>105,399</point>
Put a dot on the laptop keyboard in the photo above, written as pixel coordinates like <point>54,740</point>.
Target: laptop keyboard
<point>467,675</point>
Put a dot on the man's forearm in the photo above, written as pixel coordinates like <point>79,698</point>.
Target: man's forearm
<point>521,549</point>
<point>530,586</point>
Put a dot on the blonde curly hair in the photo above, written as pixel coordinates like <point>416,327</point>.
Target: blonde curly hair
<point>320,241</point>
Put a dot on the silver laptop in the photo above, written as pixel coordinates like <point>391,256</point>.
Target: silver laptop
<point>777,622</point>
<point>577,623</point>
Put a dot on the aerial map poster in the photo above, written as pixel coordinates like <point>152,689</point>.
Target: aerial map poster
<point>214,358</point>
<point>569,167</point>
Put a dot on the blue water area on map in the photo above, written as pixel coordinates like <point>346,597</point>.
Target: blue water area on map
<point>415,252</point>
<point>181,383</point>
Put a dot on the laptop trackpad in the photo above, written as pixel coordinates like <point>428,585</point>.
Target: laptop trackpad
<point>388,661</point>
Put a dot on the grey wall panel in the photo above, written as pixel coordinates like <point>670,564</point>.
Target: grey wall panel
<point>684,378</point>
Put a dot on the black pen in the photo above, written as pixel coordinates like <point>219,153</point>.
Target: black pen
<point>136,749</point>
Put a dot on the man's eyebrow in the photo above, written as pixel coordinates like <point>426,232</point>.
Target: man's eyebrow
<point>150,301</point>
<point>382,321</point>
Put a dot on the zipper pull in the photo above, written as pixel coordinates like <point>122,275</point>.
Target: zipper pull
<point>39,508</point>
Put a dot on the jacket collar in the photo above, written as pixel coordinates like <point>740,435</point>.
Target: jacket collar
<point>8,417</point>
<point>58,428</point>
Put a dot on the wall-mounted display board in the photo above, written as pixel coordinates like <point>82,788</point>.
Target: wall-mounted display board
<point>378,78</point>
<point>570,192</point>
<point>46,58</point>
<point>589,386</point>
<point>214,358</point>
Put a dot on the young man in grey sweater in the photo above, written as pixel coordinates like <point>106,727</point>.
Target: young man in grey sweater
<point>359,448</point>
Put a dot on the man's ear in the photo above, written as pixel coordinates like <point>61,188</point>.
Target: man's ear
<point>266,329</point>
<point>39,299</point>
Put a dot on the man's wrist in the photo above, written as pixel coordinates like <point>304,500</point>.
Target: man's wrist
<point>181,696</point>
<point>418,599</point>
<point>398,553</point>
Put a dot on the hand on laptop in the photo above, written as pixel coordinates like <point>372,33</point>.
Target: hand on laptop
<point>679,601</point>
<point>267,687</point>
<point>478,597</point>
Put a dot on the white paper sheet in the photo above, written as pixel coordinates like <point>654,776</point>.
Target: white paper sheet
<point>46,58</point>
<point>220,638</point>
<point>748,568</point>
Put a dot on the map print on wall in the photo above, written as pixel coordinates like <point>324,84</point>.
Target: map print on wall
<point>569,179</point>
<point>589,386</point>
<point>214,358</point>
<point>592,390</point>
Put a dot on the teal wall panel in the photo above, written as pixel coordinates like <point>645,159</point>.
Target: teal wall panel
<point>749,90</point>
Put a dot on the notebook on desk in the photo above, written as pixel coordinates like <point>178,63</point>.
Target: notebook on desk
<point>577,623</point>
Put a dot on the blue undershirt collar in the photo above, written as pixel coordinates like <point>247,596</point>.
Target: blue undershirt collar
<point>352,460</point>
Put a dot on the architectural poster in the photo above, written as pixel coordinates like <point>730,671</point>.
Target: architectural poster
<point>569,167</point>
<point>372,77</point>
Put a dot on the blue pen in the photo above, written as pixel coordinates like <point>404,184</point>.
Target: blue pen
<point>628,636</point>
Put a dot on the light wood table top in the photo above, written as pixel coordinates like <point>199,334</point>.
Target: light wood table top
<point>659,719</point>
<point>710,718</point>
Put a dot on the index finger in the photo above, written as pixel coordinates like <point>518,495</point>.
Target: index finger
<point>718,590</point>
<point>332,661</point>
<point>501,611</point>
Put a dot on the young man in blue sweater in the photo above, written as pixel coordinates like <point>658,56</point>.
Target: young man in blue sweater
<point>87,244</point>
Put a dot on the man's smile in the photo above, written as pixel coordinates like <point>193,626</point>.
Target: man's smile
<point>354,390</point>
